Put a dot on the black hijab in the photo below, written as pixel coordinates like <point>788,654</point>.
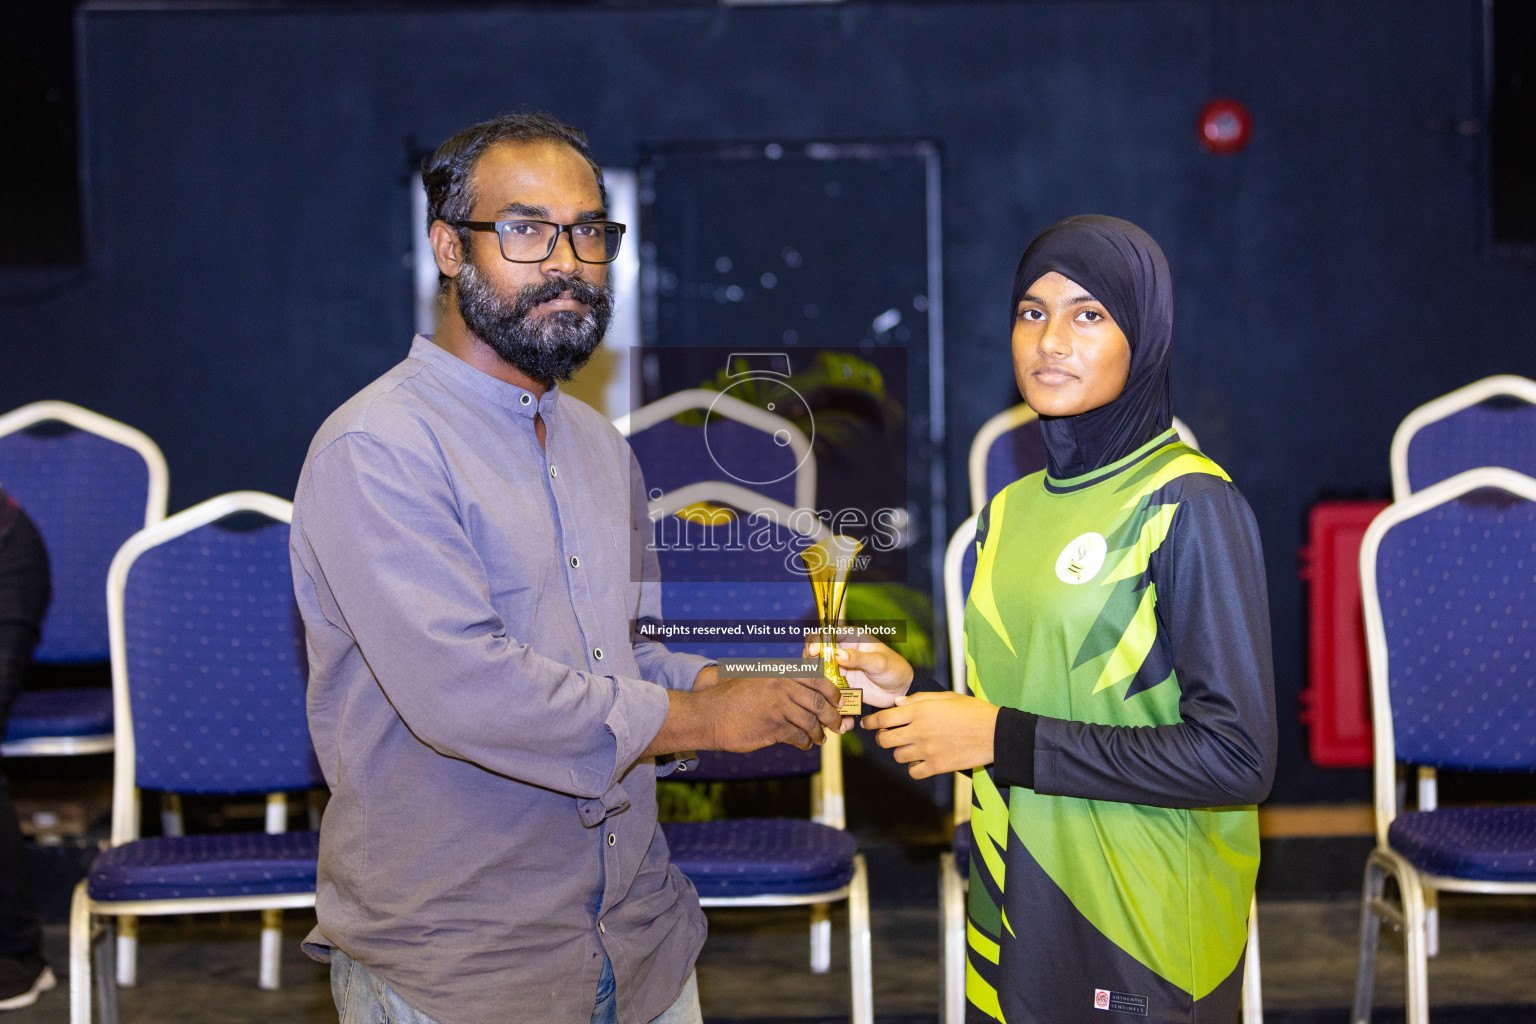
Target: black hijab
<point>1120,265</point>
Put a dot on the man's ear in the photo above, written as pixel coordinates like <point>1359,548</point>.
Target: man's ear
<point>447,250</point>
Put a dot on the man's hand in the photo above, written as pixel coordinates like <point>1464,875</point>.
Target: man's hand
<point>745,714</point>
<point>933,733</point>
<point>870,666</point>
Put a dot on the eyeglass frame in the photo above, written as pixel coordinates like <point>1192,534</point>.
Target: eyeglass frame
<point>494,226</point>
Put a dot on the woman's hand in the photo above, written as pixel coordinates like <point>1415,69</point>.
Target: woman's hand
<point>870,666</point>
<point>933,733</point>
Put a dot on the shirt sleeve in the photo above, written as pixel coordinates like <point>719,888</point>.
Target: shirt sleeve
<point>24,579</point>
<point>377,532</point>
<point>1213,606</point>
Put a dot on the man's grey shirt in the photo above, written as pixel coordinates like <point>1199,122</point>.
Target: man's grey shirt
<point>479,703</point>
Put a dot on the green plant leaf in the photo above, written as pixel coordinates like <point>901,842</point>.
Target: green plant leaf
<point>690,801</point>
<point>873,601</point>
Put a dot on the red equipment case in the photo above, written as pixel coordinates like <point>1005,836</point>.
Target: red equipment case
<point>1337,704</point>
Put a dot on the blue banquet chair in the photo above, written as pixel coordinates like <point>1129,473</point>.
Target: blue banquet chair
<point>955,864</point>
<point>1491,422</point>
<point>1008,446</point>
<point>88,483</point>
<point>755,862</point>
<point>1446,576</point>
<point>757,449</point>
<point>208,678</point>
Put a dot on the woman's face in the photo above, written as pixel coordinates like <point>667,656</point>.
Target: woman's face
<point>1069,356</point>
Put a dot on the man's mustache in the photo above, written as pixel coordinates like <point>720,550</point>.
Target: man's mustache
<point>584,292</point>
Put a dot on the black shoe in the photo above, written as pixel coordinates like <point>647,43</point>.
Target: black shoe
<point>22,981</point>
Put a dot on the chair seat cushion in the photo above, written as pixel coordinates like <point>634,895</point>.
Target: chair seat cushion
<point>1489,844</point>
<point>187,867</point>
<point>761,856</point>
<point>961,846</point>
<point>82,712</point>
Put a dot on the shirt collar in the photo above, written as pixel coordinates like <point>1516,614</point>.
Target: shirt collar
<point>510,397</point>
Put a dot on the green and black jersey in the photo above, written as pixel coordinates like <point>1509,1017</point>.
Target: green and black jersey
<point>1127,608</point>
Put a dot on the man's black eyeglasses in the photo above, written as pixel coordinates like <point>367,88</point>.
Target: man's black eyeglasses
<point>531,241</point>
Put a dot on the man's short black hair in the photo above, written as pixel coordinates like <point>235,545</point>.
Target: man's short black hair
<point>448,174</point>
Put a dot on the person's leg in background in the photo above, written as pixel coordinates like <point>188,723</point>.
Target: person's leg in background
<point>23,599</point>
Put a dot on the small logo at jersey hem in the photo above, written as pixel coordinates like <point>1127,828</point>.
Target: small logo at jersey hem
<point>1081,560</point>
<point>1119,1002</point>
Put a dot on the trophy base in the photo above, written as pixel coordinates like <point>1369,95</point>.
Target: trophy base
<point>850,700</point>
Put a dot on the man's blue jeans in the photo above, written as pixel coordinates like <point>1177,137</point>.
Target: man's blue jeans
<point>362,997</point>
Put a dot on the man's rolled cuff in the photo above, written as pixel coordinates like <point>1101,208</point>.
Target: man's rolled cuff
<point>682,761</point>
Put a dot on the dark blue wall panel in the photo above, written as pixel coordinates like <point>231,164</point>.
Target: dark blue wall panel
<point>248,224</point>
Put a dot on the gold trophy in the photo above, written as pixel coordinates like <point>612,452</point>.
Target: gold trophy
<point>828,562</point>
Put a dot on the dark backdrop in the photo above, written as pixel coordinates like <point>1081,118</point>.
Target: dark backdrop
<point>248,230</point>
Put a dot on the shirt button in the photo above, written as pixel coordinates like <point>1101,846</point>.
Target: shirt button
<point>597,652</point>
<point>611,839</point>
<point>552,471</point>
<point>575,562</point>
<point>527,399</point>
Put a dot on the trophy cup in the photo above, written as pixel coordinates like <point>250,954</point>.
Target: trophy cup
<point>828,562</point>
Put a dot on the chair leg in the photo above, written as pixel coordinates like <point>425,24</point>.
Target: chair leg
<point>860,955</point>
<point>271,949</point>
<point>1253,989</point>
<point>171,821</point>
<point>1415,942</point>
<point>105,973</point>
<point>127,951</point>
<point>1432,922</point>
<point>952,938</point>
<point>821,938</point>
<point>1370,938</point>
<point>316,802</point>
<point>80,957</point>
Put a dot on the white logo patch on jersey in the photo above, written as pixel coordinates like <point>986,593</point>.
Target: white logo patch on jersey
<point>1081,560</point>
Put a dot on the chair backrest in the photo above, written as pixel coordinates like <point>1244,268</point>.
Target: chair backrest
<point>738,441</point>
<point>1448,578</point>
<point>89,483</point>
<point>747,574</point>
<point>208,662</point>
<point>1491,422</point>
<point>959,571</point>
<point>1009,446</point>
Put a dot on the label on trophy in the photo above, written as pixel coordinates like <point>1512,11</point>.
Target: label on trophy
<point>850,700</point>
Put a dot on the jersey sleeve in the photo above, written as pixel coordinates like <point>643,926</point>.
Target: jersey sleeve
<point>1213,606</point>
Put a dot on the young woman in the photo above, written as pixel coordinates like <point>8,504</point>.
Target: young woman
<point>1117,643</point>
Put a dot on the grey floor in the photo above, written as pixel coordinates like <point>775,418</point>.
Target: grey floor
<point>754,965</point>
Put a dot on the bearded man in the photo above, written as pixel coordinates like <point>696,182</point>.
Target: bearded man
<point>469,552</point>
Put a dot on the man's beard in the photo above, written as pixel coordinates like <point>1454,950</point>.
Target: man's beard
<point>549,348</point>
